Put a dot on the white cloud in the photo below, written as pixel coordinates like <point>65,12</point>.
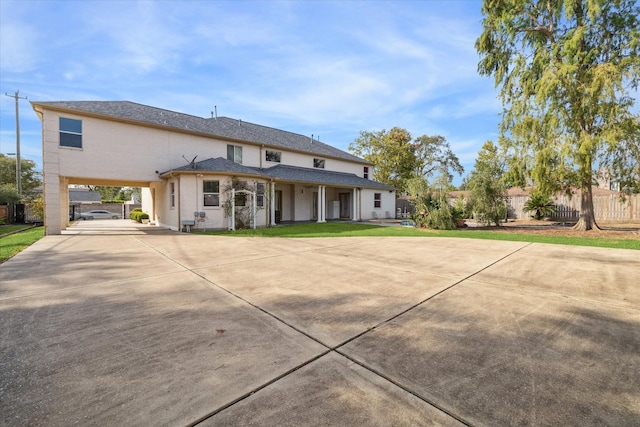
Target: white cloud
<point>328,68</point>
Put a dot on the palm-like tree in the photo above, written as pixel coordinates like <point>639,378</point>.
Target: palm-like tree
<point>541,206</point>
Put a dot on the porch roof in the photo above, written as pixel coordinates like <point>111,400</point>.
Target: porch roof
<point>322,177</point>
<point>280,173</point>
<point>218,164</point>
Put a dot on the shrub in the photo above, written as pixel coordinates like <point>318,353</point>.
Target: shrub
<point>434,212</point>
<point>138,215</point>
<point>134,213</point>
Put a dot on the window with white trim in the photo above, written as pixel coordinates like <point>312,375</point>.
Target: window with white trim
<point>234,153</point>
<point>318,163</point>
<point>211,193</point>
<point>260,195</point>
<point>70,132</point>
<point>172,194</point>
<point>377,200</point>
<point>366,172</point>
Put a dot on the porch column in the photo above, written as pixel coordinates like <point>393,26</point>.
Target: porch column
<point>254,210</point>
<point>232,226</point>
<point>272,205</point>
<point>355,204</point>
<point>324,203</point>
<point>321,203</point>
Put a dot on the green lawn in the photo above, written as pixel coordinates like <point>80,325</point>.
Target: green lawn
<point>11,245</point>
<point>334,229</point>
<point>10,228</point>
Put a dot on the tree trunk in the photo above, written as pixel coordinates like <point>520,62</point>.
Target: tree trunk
<point>587,219</point>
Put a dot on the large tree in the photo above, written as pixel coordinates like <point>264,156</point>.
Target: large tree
<point>397,158</point>
<point>434,155</point>
<point>30,178</point>
<point>565,71</point>
<point>391,154</point>
<point>488,191</point>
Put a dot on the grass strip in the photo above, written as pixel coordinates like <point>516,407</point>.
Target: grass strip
<point>368,230</point>
<point>13,244</point>
<point>5,229</point>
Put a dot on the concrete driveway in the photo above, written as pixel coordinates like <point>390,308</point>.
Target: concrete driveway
<point>113,325</point>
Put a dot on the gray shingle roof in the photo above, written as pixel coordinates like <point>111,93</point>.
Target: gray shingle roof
<point>218,164</point>
<point>221,127</point>
<point>321,176</point>
<point>284,173</point>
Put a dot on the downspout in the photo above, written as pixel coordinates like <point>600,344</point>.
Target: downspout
<point>261,148</point>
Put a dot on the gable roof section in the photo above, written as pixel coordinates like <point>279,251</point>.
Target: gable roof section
<point>223,127</point>
<point>280,173</point>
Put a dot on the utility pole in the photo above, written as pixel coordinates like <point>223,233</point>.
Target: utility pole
<point>17,97</point>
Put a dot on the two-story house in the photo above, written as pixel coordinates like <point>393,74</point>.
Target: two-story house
<point>200,171</point>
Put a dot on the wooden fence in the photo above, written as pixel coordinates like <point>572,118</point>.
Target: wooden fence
<point>607,207</point>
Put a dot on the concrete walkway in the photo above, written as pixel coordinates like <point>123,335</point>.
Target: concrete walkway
<point>113,325</point>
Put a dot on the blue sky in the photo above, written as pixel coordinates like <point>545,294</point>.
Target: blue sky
<point>326,68</point>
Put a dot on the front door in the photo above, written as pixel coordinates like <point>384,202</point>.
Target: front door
<point>345,205</point>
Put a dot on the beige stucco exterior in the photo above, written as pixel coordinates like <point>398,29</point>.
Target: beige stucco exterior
<point>122,152</point>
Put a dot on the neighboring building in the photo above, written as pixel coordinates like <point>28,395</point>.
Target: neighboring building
<point>84,196</point>
<point>185,166</point>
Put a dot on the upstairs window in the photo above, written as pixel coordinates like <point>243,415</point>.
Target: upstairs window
<point>318,163</point>
<point>366,172</point>
<point>377,200</point>
<point>70,132</point>
<point>234,153</point>
<point>211,193</point>
<point>272,156</point>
